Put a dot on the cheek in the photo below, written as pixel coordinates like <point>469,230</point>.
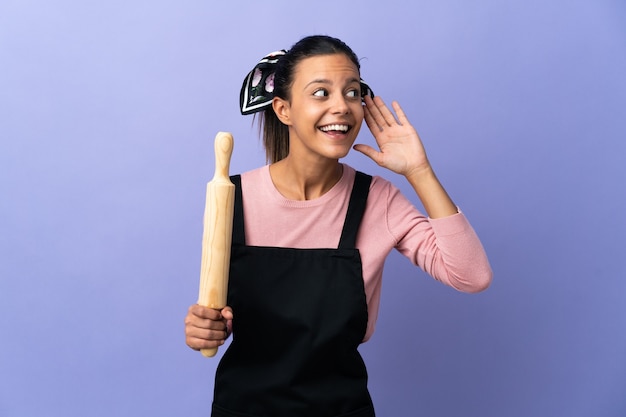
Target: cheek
<point>359,114</point>
<point>358,120</point>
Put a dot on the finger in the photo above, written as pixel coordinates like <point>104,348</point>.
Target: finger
<point>194,321</point>
<point>368,151</point>
<point>206,324</point>
<point>205,312</point>
<point>227,313</point>
<point>386,114</point>
<point>402,119</point>
<point>374,113</point>
<point>206,334</point>
<point>198,344</point>
<point>371,122</point>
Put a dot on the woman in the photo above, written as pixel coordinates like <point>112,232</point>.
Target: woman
<point>306,264</point>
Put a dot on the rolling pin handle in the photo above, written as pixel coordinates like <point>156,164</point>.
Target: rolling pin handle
<point>224,144</point>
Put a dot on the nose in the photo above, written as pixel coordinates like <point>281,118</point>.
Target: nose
<point>340,105</point>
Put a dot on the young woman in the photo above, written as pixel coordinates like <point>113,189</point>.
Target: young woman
<point>311,235</point>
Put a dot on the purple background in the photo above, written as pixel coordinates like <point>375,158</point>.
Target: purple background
<point>108,112</point>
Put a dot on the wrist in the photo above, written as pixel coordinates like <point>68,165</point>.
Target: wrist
<point>420,174</point>
<point>431,193</point>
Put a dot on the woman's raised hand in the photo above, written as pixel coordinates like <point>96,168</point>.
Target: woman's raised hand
<point>401,149</point>
<point>402,152</point>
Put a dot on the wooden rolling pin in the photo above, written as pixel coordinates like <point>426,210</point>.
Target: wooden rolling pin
<point>218,229</point>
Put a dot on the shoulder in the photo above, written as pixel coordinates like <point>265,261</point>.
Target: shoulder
<point>378,183</point>
<point>385,200</point>
<point>256,185</point>
<point>382,191</point>
<point>257,174</point>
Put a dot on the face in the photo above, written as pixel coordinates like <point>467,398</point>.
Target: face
<point>325,113</point>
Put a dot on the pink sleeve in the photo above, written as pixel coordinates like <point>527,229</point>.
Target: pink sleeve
<point>447,248</point>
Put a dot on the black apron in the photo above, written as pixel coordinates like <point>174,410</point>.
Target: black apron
<point>300,315</point>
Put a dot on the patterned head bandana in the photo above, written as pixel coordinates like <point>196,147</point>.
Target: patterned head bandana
<point>258,87</point>
<point>257,91</point>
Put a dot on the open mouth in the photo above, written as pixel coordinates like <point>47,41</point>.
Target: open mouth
<point>335,129</point>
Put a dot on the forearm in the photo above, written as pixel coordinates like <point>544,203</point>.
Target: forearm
<point>431,193</point>
<point>458,257</point>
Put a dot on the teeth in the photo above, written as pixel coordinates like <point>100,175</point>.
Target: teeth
<point>342,128</point>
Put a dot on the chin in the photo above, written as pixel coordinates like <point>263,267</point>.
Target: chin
<point>339,154</point>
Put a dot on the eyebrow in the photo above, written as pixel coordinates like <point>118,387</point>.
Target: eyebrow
<point>326,81</point>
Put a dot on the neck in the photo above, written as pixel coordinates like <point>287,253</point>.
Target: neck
<point>305,181</point>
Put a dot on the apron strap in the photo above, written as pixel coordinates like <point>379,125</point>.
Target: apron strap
<point>239,234</point>
<point>356,208</point>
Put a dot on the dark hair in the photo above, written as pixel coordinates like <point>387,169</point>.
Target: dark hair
<point>275,133</point>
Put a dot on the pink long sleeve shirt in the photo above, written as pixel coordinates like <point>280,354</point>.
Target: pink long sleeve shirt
<point>448,249</point>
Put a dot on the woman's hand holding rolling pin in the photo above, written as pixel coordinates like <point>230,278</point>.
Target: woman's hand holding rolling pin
<point>207,328</point>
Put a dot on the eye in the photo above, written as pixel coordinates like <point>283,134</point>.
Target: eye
<point>320,93</point>
<point>353,93</point>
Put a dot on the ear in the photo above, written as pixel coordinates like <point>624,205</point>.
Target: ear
<point>282,109</point>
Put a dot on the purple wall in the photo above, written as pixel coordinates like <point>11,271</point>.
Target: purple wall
<point>107,116</point>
